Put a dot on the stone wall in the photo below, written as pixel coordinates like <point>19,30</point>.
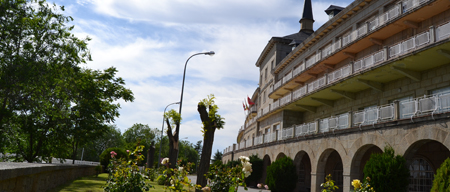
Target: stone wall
<point>18,177</point>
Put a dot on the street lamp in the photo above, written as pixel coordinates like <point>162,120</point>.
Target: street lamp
<point>162,132</point>
<point>211,53</point>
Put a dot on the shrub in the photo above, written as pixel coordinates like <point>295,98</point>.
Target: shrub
<point>106,156</point>
<point>224,178</point>
<point>231,164</point>
<point>441,180</point>
<point>281,176</point>
<point>125,175</point>
<point>329,186</point>
<point>257,166</point>
<point>387,171</point>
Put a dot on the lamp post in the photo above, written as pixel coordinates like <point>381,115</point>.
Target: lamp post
<point>211,53</point>
<point>162,132</point>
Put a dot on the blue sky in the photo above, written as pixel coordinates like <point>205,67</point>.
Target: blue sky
<point>148,41</point>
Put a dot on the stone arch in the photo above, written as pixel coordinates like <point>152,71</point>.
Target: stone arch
<point>330,162</point>
<point>280,155</point>
<point>360,159</point>
<point>266,163</point>
<point>302,164</point>
<point>428,155</point>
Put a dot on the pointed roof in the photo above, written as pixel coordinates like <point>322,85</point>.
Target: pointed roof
<point>307,10</point>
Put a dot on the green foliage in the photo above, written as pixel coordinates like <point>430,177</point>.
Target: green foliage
<point>387,171</point>
<point>362,187</point>
<point>441,180</point>
<point>257,166</point>
<point>98,170</point>
<point>217,158</point>
<point>176,178</point>
<point>105,157</point>
<point>124,175</point>
<point>173,116</point>
<point>94,147</point>
<point>215,120</point>
<point>233,163</point>
<point>329,186</point>
<point>151,173</point>
<point>281,175</point>
<point>224,178</point>
<point>51,103</point>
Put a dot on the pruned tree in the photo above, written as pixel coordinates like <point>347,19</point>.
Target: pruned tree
<point>211,121</point>
<point>173,119</point>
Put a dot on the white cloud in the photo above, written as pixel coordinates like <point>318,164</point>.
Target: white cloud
<point>149,42</point>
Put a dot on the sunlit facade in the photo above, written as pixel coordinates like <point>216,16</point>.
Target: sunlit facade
<point>376,74</point>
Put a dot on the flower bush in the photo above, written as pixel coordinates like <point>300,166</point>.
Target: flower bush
<point>224,178</point>
<point>176,179</point>
<point>362,187</point>
<point>329,184</point>
<point>125,175</point>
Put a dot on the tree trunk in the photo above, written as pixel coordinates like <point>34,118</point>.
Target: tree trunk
<point>203,167</point>
<point>208,140</point>
<point>173,144</point>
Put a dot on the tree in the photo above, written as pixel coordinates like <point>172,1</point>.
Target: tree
<point>45,96</point>
<point>140,133</point>
<point>387,172</point>
<point>93,148</point>
<point>173,119</point>
<point>217,157</point>
<point>93,104</point>
<point>211,121</point>
<point>281,175</point>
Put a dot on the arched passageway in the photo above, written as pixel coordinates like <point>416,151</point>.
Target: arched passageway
<point>302,164</point>
<point>266,163</point>
<point>280,155</point>
<point>423,158</point>
<point>330,162</point>
<point>360,159</point>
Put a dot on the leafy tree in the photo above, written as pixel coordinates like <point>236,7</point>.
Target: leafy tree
<point>257,167</point>
<point>110,138</point>
<point>93,104</point>
<point>387,171</point>
<point>47,100</point>
<point>281,175</point>
<point>217,157</point>
<point>211,121</point>
<point>441,180</point>
<point>140,133</point>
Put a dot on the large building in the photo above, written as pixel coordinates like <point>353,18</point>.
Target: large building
<point>376,74</point>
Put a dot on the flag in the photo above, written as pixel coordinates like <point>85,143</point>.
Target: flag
<point>250,102</point>
<point>245,109</point>
<point>246,105</point>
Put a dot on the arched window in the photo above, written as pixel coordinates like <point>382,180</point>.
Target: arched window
<point>421,175</point>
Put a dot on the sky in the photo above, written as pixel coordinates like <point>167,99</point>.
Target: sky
<point>149,41</point>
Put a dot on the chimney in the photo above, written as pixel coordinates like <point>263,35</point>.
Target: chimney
<point>306,23</point>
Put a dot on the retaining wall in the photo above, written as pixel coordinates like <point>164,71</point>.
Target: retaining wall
<point>19,177</point>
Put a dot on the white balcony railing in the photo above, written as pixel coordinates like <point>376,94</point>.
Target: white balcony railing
<point>287,77</point>
<point>286,99</point>
<point>298,70</point>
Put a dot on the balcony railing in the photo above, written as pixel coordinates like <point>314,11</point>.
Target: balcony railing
<point>286,99</point>
<point>364,29</point>
<point>298,70</point>
<point>408,109</point>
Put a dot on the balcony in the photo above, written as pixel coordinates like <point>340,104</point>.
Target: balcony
<point>428,105</point>
<point>380,28</point>
<point>405,58</point>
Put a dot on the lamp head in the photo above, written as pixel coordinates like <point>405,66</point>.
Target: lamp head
<point>210,53</point>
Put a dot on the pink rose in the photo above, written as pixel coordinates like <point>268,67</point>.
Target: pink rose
<point>267,187</point>
<point>259,185</point>
<point>128,151</point>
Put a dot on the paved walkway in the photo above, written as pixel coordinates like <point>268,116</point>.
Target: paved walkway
<point>193,179</point>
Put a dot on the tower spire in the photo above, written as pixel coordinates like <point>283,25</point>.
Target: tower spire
<point>306,23</point>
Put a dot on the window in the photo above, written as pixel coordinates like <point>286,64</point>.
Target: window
<point>338,175</point>
<point>273,64</point>
<point>264,97</point>
<point>266,74</point>
<point>421,175</point>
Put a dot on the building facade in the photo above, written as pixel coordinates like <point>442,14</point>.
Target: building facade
<point>376,74</point>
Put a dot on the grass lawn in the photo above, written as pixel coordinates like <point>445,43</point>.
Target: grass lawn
<point>95,184</point>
